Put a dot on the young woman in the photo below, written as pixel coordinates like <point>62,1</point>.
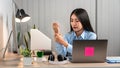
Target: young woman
<point>81,29</point>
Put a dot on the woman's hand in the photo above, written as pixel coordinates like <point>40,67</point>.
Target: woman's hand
<point>59,39</point>
<point>56,27</point>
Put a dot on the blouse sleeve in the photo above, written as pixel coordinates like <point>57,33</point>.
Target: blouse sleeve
<point>60,49</point>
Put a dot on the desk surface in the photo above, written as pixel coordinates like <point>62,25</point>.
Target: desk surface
<point>16,62</point>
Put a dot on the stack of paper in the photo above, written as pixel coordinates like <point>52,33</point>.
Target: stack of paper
<point>113,59</point>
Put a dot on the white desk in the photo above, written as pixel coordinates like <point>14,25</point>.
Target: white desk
<point>15,62</point>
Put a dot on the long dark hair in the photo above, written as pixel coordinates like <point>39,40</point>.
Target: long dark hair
<point>83,18</point>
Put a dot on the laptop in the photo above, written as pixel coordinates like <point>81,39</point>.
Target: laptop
<point>89,51</point>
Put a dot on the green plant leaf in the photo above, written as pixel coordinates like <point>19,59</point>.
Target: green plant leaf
<point>26,52</point>
<point>34,27</point>
<point>18,45</point>
<point>18,37</point>
<point>29,35</point>
<point>26,42</point>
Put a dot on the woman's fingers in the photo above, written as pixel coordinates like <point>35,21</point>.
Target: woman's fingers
<point>56,27</point>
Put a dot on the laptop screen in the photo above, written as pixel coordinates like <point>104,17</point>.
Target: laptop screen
<point>89,50</point>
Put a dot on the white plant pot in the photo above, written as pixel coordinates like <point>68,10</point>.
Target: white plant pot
<point>27,60</point>
<point>39,59</point>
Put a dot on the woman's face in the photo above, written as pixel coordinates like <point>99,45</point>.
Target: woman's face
<point>75,23</point>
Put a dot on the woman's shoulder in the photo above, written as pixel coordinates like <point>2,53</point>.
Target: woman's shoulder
<point>90,34</point>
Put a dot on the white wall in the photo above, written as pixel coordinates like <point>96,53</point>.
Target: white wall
<point>45,12</point>
<point>1,33</point>
<point>109,24</point>
<point>106,24</point>
<point>6,20</point>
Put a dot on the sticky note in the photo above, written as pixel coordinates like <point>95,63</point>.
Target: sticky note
<point>89,51</point>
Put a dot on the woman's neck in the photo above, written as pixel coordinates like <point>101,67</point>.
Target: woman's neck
<point>78,33</point>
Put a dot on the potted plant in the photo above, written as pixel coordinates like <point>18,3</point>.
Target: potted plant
<point>27,59</point>
<point>26,52</point>
<point>24,48</point>
<point>23,40</point>
<point>39,55</point>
